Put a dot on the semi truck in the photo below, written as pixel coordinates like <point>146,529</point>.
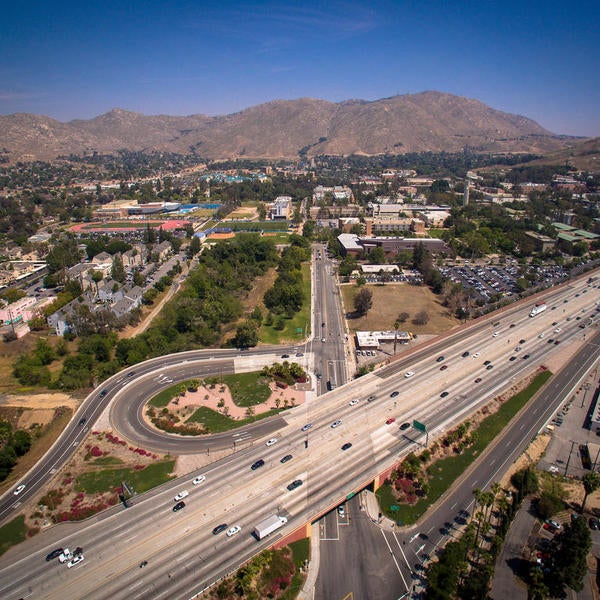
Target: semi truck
<point>268,526</point>
<point>537,309</point>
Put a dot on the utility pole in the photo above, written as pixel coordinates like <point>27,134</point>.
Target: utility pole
<point>569,459</point>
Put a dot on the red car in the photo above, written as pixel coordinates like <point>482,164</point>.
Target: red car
<point>390,421</point>
<point>550,528</point>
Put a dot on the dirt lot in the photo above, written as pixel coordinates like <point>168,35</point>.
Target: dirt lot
<point>392,299</point>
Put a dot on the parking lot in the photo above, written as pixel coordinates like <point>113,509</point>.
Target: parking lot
<point>488,281</point>
<point>574,449</point>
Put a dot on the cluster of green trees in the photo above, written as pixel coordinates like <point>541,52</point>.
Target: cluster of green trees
<point>466,565</point>
<point>286,372</point>
<point>286,297</point>
<point>211,298</point>
<point>13,443</point>
<point>92,361</point>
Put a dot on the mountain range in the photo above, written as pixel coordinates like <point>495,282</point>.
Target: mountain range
<point>428,121</point>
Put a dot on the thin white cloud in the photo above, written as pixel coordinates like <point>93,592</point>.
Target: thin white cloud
<point>337,20</point>
<point>6,96</point>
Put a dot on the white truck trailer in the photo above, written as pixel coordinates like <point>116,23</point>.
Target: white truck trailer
<point>537,309</point>
<point>268,526</point>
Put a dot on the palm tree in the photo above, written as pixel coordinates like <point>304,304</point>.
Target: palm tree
<point>396,327</point>
<point>591,482</point>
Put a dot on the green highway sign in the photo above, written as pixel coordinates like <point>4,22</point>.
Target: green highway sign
<point>419,426</point>
<point>349,495</point>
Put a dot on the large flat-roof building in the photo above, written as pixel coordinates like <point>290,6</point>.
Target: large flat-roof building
<point>355,245</point>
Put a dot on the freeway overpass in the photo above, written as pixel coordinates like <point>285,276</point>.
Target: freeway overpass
<point>185,555</point>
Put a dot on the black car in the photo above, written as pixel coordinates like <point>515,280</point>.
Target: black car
<point>521,341</point>
<point>370,398</point>
<point>131,374</point>
<point>465,354</point>
<point>259,463</point>
<point>179,506</point>
<point>404,426</point>
<point>54,554</point>
<point>512,358</point>
<point>394,394</point>
<point>347,446</point>
<point>593,523</point>
<point>296,483</point>
<point>490,367</point>
<point>487,362</point>
<point>444,394</point>
<point>103,393</point>
<point>219,528</point>
<point>82,421</point>
<point>285,356</point>
<point>478,380</point>
<point>511,325</point>
<point>439,359</point>
<point>525,356</point>
<point>286,458</point>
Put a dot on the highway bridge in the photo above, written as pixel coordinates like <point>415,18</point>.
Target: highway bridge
<point>180,547</point>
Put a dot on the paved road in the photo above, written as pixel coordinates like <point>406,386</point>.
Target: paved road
<point>184,554</point>
<point>353,564</point>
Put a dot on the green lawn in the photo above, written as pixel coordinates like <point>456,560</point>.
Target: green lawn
<point>300,551</point>
<point>300,321</point>
<point>216,422</point>
<point>163,398</point>
<point>444,472</point>
<point>142,480</point>
<point>281,237</point>
<point>257,225</point>
<point>12,533</point>
<point>248,389</point>
<point>107,460</point>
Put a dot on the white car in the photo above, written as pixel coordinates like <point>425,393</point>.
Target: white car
<point>75,560</point>
<point>233,530</point>
<point>495,334</point>
<point>557,330</point>
<point>199,479</point>
<point>323,340</point>
<point>271,441</point>
<point>181,495</point>
<point>541,336</point>
<point>19,489</point>
<point>354,402</point>
<point>65,556</point>
<point>336,423</point>
<point>409,374</point>
<point>476,355</point>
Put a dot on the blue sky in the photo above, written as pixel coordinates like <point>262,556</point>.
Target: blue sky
<point>71,59</point>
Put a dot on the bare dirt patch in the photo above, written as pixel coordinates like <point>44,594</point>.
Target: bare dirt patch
<point>392,299</point>
<point>41,401</point>
<point>244,212</point>
<point>39,416</point>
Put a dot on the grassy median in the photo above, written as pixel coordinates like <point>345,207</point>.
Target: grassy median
<point>444,472</point>
<point>12,533</point>
<point>141,480</point>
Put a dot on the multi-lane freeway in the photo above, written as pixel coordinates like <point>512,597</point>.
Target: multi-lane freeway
<point>182,553</point>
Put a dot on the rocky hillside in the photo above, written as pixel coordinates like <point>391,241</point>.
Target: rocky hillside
<point>429,121</point>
